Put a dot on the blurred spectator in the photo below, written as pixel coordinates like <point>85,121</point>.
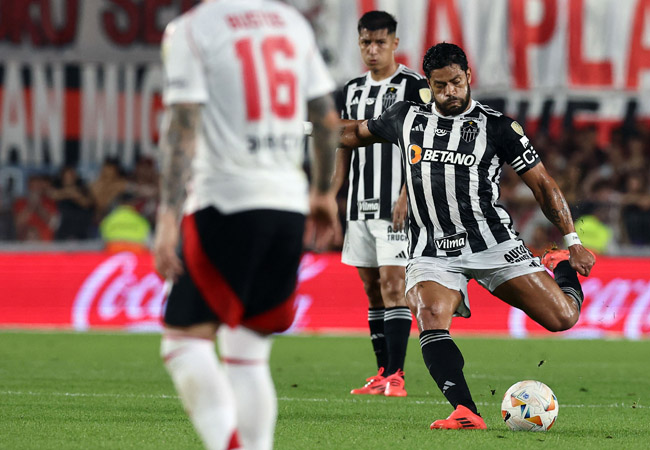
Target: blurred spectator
<point>594,227</point>
<point>7,225</point>
<point>144,186</point>
<point>35,214</point>
<point>635,203</point>
<point>124,228</point>
<point>107,187</point>
<point>75,205</point>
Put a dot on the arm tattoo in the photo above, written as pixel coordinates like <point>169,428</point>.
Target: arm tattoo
<point>557,210</point>
<point>179,131</point>
<point>325,140</point>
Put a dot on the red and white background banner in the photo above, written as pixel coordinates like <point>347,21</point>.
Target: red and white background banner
<point>88,72</point>
<point>99,291</point>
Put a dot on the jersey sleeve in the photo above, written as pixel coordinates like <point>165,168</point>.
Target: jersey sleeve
<point>344,106</point>
<point>184,72</point>
<point>389,124</point>
<point>418,91</point>
<point>319,80</point>
<point>514,147</point>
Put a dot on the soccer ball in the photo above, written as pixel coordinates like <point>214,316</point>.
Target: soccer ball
<point>529,406</point>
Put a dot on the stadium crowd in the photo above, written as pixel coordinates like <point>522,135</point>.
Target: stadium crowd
<point>606,186</point>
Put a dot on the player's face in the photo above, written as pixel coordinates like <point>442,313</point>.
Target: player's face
<point>377,48</point>
<point>450,88</point>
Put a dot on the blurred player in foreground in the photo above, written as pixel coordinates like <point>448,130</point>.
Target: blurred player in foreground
<point>375,240</point>
<point>454,150</point>
<point>241,77</point>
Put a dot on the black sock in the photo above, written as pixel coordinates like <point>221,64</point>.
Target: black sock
<point>397,327</point>
<point>445,363</point>
<point>376,325</point>
<point>567,278</point>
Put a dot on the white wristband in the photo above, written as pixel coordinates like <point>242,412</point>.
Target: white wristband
<point>571,239</point>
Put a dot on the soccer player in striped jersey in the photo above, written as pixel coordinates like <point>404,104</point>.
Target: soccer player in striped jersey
<point>454,151</point>
<point>375,241</point>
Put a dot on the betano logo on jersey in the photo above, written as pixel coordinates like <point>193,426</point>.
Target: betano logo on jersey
<point>417,154</point>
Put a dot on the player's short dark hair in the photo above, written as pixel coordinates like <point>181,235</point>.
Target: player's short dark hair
<point>377,20</point>
<point>443,55</point>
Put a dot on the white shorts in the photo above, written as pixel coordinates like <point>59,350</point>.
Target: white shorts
<point>374,243</point>
<point>490,268</point>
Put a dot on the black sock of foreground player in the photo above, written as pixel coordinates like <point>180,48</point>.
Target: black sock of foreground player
<point>376,325</point>
<point>445,363</point>
<point>397,327</point>
<point>567,278</point>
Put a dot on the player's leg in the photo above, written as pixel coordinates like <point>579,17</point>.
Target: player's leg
<point>190,359</point>
<point>392,251</point>
<point>516,277</point>
<point>245,355</point>
<point>359,251</point>
<point>397,327</point>
<point>370,278</point>
<point>434,303</point>
<point>269,308</point>
<point>540,297</point>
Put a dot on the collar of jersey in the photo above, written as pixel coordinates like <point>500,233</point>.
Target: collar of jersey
<point>434,109</point>
<point>372,82</point>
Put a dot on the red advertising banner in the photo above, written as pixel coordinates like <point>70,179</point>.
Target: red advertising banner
<point>96,290</point>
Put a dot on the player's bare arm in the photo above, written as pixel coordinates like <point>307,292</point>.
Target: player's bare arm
<point>400,211</point>
<point>555,208</point>
<point>179,130</point>
<point>322,115</point>
<point>355,133</point>
<point>322,225</point>
<point>341,168</point>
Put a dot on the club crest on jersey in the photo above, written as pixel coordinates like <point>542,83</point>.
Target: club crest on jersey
<point>451,243</point>
<point>469,131</point>
<point>390,96</point>
<point>417,154</point>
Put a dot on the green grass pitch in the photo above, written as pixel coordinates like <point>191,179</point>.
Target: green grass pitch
<point>110,391</point>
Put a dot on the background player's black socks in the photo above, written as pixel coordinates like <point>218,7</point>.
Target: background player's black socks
<point>376,325</point>
<point>397,326</point>
<point>445,363</point>
<point>567,278</point>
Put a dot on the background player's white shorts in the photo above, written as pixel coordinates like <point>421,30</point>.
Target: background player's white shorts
<point>374,243</point>
<point>489,268</point>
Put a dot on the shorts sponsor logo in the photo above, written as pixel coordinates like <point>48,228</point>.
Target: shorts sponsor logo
<point>452,243</point>
<point>417,154</point>
<point>370,205</point>
<point>518,254</point>
<point>394,235</point>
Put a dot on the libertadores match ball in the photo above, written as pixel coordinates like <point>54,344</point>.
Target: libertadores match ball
<point>529,406</point>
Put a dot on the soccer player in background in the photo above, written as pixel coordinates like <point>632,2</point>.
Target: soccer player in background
<point>375,241</point>
<point>240,78</point>
<point>454,150</point>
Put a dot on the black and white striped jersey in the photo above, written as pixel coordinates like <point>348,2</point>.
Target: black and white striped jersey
<point>453,167</point>
<point>376,174</point>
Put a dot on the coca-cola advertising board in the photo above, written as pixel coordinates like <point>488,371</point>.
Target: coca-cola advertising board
<point>97,290</point>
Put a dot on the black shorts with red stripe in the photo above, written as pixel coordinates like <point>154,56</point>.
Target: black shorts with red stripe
<point>240,269</point>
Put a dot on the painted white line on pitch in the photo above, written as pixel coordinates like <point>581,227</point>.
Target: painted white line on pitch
<point>365,399</point>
